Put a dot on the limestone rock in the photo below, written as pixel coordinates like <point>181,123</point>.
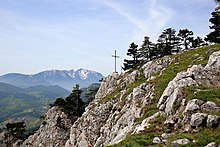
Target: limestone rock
<point>146,123</point>
<point>197,76</point>
<point>9,140</point>
<point>198,119</point>
<point>157,140</point>
<point>180,142</point>
<point>152,67</point>
<point>172,94</point>
<point>212,144</point>
<point>130,78</point>
<point>51,133</point>
<point>213,121</point>
<point>165,136</point>
<point>108,122</point>
<point>107,87</point>
<point>210,107</point>
<point>191,108</point>
<point>193,105</point>
<point>214,61</point>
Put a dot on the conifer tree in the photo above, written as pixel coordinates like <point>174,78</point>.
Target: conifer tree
<point>74,104</point>
<point>134,53</point>
<point>185,36</point>
<point>214,36</point>
<point>148,50</point>
<point>197,42</point>
<point>168,42</point>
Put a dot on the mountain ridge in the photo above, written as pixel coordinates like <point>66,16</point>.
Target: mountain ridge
<point>64,78</point>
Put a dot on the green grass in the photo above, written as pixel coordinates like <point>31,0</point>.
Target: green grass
<point>203,93</point>
<point>203,137</point>
<point>111,96</point>
<point>139,140</point>
<point>32,122</point>
<point>148,110</point>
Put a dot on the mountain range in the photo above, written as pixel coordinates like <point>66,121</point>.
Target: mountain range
<point>64,78</point>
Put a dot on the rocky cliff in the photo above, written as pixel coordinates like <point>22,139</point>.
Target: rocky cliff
<point>151,102</point>
<point>166,102</point>
<point>54,131</point>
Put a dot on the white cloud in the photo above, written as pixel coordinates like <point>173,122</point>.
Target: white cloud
<point>150,25</point>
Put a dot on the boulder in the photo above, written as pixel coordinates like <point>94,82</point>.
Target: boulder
<point>212,144</point>
<point>191,107</point>
<point>157,140</point>
<point>198,119</point>
<point>214,61</point>
<point>213,121</point>
<point>180,142</point>
<point>210,107</point>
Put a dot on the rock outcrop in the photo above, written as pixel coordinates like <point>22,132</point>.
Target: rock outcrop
<point>54,131</point>
<point>108,122</point>
<point>194,76</point>
<point>108,119</point>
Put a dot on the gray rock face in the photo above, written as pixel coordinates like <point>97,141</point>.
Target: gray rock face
<point>152,67</point>
<point>107,87</point>
<point>198,119</point>
<point>8,140</point>
<point>51,133</point>
<point>109,122</point>
<point>180,142</point>
<point>214,61</point>
<point>146,122</point>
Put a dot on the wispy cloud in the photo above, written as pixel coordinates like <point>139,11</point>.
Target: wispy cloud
<point>155,19</point>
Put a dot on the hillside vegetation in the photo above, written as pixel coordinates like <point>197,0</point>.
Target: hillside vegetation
<point>27,104</point>
<point>181,62</point>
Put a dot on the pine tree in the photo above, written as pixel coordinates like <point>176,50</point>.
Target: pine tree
<point>197,42</point>
<point>185,36</point>
<point>74,104</point>
<point>214,36</point>
<point>168,42</point>
<point>134,53</point>
<point>148,50</point>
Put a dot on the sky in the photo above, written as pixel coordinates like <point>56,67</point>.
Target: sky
<point>38,35</point>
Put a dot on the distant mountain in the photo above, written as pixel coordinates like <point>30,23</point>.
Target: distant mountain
<point>33,101</point>
<point>64,78</point>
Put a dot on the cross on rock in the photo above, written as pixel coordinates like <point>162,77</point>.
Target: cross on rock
<point>115,56</point>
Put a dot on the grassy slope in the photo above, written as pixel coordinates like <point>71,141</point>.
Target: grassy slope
<point>181,63</point>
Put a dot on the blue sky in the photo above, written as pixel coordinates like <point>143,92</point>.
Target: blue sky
<point>38,35</point>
